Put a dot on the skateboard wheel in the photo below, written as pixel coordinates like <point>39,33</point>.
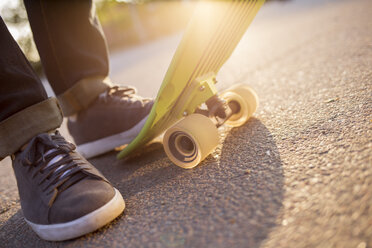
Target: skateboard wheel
<point>246,101</point>
<point>190,140</point>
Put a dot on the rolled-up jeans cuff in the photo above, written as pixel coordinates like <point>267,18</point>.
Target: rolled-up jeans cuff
<point>82,94</point>
<point>22,126</point>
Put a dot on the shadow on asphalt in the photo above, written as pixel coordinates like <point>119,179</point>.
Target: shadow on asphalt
<point>251,158</point>
<point>232,199</point>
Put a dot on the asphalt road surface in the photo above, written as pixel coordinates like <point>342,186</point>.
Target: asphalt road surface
<point>298,174</point>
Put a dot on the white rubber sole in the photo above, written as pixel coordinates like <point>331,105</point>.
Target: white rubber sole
<point>83,225</point>
<point>101,146</point>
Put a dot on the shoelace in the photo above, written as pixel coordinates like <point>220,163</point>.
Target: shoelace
<point>55,165</point>
<point>123,95</point>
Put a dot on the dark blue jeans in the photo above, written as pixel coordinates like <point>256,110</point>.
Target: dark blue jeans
<point>71,45</point>
<point>74,56</point>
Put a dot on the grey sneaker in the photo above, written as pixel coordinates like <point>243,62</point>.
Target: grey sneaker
<point>62,195</point>
<point>114,119</point>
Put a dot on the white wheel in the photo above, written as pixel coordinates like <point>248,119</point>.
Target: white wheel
<point>245,100</point>
<point>190,140</point>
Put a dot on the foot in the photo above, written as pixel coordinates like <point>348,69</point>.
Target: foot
<point>62,195</point>
<point>114,119</point>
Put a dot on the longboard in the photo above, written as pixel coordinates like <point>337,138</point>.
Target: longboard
<point>214,31</point>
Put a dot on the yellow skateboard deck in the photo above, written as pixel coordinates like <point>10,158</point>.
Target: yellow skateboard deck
<point>214,31</point>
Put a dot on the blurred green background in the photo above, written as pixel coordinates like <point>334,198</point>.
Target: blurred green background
<point>126,23</point>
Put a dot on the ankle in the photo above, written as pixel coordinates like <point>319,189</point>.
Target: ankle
<point>25,145</point>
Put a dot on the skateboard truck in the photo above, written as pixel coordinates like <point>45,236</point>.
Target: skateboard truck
<point>201,89</point>
<point>219,110</point>
<point>190,140</point>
